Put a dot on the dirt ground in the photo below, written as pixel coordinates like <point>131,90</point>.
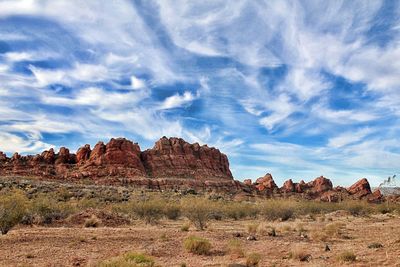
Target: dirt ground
<point>79,246</point>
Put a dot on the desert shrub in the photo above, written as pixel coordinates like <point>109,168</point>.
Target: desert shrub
<point>235,248</point>
<point>313,207</point>
<point>375,245</point>
<point>92,222</point>
<point>185,227</point>
<point>253,259</point>
<point>151,211</point>
<point>334,229</point>
<point>238,210</point>
<point>198,211</point>
<point>172,211</point>
<point>299,254</point>
<point>46,210</point>
<point>130,259</point>
<point>331,230</point>
<point>252,228</point>
<point>266,230</point>
<point>385,208</point>
<point>197,245</point>
<point>347,256</point>
<point>357,208</point>
<point>12,210</point>
<point>278,210</point>
<point>86,203</point>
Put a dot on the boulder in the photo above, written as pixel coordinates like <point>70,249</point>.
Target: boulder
<point>266,183</point>
<point>320,184</point>
<point>360,189</point>
<point>288,186</point>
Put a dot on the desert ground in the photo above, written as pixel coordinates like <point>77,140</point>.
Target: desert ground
<point>297,242</point>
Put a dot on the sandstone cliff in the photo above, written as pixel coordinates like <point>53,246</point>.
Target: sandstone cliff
<point>121,158</point>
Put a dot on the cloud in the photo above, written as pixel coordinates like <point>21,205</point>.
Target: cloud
<point>296,87</point>
<point>11,143</point>
<point>137,83</point>
<point>349,138</point>
<point>177,100</point>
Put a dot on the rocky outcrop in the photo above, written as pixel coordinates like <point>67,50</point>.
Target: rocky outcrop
<point>121,158</point>
<point>288,186</point>
<point>360,189</point>
<point>266,183</point>
<point>172,164</point>
<point>174,157</point>
<point>247,181</point>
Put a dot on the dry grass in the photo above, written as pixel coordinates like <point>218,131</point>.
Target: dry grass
<point>300,254</point>
<point>93,222</point>
<point>130,259</point>
<point>253,259</point>
<point>329,231</point>
<point>235,248</point>
<point>197,245</point>
<point>347,256</point>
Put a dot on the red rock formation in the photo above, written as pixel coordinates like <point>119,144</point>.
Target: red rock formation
<point>121,158</point>
<point>288,186</point>
<point>83,154</point>
<point>173,157</point>
<point>3,157</point>
<point>375,197</point>
<point>320,184</point>
<point>247,181</point>
<point>299,187</point>
<point>360,189</point>
<point>266,183</point>
<point>64,157</point>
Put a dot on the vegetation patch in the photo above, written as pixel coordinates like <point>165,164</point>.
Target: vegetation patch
<point>197,245</point>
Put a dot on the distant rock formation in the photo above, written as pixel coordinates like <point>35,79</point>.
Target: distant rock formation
<point>121,158</point>
<point>172,164</point>
<point>174,157</point>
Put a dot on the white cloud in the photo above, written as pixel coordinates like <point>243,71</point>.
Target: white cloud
<point>177,100</point>
<point>47,77</point>
<point>349,138</point>
<point>281,108</point>
<point>98,98</point>
<point>137,83</point>
<point>11,143</point>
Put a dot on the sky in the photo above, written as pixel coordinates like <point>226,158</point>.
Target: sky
<point>298,89</point>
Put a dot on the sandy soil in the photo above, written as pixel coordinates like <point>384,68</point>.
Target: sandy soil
<point>78,246</point>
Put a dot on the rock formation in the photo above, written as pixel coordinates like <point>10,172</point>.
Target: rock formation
<point>172,164</point>
<point>123,159</point>
<point>361,188</point>
<point>266,183</point>
<point>174,157</point>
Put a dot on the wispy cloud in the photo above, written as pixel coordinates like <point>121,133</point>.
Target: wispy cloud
<point>296,87</point>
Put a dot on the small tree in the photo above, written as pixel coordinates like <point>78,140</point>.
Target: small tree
<point>12,210</point>
<point>198,211</point>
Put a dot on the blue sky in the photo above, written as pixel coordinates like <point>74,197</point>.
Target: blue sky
<point>295,88</point>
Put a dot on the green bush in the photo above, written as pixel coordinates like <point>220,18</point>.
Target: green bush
<point>151,211</point>
<point>197,245</point>
<point>45,210</point>
<point>278,210</point>
<point>198,211</point>
<point>12,210</point>
<point>130,259</point>
<point>172,211</point>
